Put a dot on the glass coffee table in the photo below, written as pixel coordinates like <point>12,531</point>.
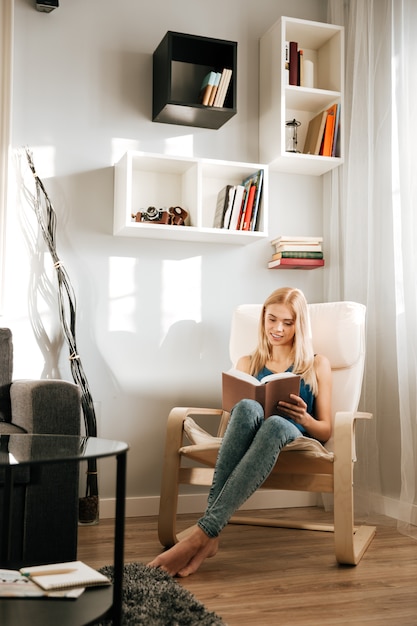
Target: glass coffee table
<point>95,603</point>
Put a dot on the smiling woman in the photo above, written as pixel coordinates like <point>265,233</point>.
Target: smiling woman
<point>6,45</point>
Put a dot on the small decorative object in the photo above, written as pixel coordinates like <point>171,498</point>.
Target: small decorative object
<point>291,140</point>
<point>175,215</point>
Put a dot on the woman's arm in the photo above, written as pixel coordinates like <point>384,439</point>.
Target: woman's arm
<point>320,426</point>
<point>243,364</point>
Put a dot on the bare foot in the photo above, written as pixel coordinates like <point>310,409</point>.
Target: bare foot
<point>188,554</point>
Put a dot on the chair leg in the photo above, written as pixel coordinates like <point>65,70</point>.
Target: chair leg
<point>168,502</point>
<point>350,542</point>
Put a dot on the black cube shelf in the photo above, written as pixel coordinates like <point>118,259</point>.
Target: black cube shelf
<point>180,63</point>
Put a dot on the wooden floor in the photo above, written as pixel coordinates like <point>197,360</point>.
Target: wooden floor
<point>274,577</point>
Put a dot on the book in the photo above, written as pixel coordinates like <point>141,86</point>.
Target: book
<point>246,218</point>
<point>206,87</point>
<point>287,62</point>
<point>336,141</point>
<point>294,263</point>
<point>236,207</point>
<point>214,89</point>
<point>327,144</point>
<point>223,87</point>
<point>253,179</point>
<point>13,584</point>
<point>302,247</point>
<point>257,201</point>
<point>68,575</point>
<point>220,87</point>
<point>293,78</point>
<point>237,385</point>
<point>224,201</point>
<point>314,134</point>
<point>296,239</point>
<point>301,254</point>
<point>301,68</point>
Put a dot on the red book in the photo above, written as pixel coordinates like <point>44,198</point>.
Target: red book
<point>248,210</point>
<point>293,63</point>
<point>299,264</point>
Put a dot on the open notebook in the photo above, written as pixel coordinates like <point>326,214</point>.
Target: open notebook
<point>64,575</point>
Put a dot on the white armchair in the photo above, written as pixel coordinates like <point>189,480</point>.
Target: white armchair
<point>338,331</point>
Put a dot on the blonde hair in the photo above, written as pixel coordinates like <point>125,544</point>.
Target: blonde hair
<point>302,351</point>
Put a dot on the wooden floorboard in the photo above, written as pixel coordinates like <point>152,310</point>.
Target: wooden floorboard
<point>277,577</point>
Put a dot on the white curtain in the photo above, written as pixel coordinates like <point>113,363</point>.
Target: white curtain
<point>371,229</point>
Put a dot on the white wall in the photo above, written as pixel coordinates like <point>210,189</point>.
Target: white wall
<point>153,316</point>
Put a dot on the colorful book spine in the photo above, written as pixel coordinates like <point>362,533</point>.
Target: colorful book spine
<point>298,255</point>
<point>296,263</point>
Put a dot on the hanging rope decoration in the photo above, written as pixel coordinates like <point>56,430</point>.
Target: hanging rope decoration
<point>88,506</point>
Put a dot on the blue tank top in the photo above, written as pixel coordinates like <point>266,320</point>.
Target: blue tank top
<point>305,393</point>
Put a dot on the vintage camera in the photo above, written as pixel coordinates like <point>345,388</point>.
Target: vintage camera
<point>154,215</point>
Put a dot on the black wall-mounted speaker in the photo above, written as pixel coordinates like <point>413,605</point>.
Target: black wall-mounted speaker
<point>47,5</point>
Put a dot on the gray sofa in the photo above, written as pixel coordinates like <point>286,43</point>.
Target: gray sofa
<point>45,499</point>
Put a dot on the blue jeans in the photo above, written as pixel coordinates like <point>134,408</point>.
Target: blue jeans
<point>247,455</point>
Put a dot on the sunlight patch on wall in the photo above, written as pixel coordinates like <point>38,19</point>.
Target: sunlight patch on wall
<point>179,146</point>
<point>181,292</point>
<point>122,290</point>
<point>44,158</point>
<point>119,146</point>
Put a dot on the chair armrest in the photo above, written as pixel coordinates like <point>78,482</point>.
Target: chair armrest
<point>179,414</point>
<point>46,406</point>
<point>344,434</point>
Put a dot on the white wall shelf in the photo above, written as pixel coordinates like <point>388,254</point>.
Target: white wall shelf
<point>279,102</point>
<point>147,179</point>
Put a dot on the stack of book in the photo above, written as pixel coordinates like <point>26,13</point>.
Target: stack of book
<point>238,205</point>
<point>296,253</point>
<point>214,87</point>
<point>323,133</point>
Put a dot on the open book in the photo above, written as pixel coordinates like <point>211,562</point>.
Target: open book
<point>13,584</point>
<point>64,575</point>
<point>268,391</point>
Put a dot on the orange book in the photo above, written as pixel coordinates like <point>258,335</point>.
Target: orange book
<point>327,146</point>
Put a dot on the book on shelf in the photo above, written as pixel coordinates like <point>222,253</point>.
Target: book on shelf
<point>257,200</point>
<point>302,247</point>
<point>295,263</point>
<point>206,87</point>
<point>237,385</point>
<point>293,72</point>
<point>336,138</point>
<point>60,576</point>
<point>300,68</point>
<point>300,254</point>
<point>314,134</point>
<point>223,87</point>
<point>224,202</point>
<point>295,239</point>
<point>327,144</point>
<point>247,214</point>
<point>250,208</point>
<point>236,207</point>
<point>214,89</point>
<point>287,63</point>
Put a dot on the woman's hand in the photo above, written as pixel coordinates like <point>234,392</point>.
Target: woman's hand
<point>296,409</point>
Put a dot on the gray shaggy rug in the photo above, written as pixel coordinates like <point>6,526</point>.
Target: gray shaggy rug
<point>151,597</point>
